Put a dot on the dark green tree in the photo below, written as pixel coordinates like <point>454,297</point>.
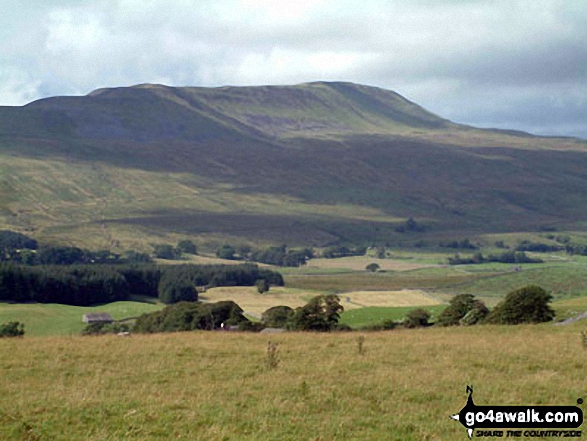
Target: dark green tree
<point>319,314</point>
<point>262,286</point>
<point>187,246</point>
<point>173,290</point>
<point>524,305</point>
<point>372,267</point>
<point>226,252</point>
<point>60,256</point>
<point>417,318</point>
<point>166,251</point>
<point>277,316</point>
<point>460,306</point>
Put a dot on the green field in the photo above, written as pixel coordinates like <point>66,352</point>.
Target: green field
<point>357,318</point>
<point>52,319</point>
<point>216,386</point>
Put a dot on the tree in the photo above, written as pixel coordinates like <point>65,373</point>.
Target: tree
<point>212,315</point>
<point>226,252</point>
<point>172,290</point>
<point>372,267</point>
<point>166,251</point>
<point>477,314</point>
<point>524,305</point>
<point>262,286</point>
<point>417,318</point>
<point>187,246</point>
<point>410,226</point>
<point>319,314</point>
<point>60,256</point>
<point>277,316</point>
<point>461,306</point>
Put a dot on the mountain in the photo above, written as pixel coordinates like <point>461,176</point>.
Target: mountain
<point>316,163</point>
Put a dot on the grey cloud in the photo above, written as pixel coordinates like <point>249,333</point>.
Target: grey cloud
<point>485,62</point>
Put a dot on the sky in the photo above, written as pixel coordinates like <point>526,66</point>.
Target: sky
<point>515,64</point>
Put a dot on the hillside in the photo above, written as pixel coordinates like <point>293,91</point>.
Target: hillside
<point>315,163</point>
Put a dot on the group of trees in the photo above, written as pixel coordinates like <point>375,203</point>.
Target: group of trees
<point>506,257</point>
<point>537,247</point>
<point>320,314</point>
<point>334,252</point>
<point>464,244</point>
<point>410,226</point>
<point>19,248</point>
<point>64,255</point>
<point>85,285</point>
<point>189,316</point>
<point>279,256</point>
<point>529,304</point>
<point>167,251</point>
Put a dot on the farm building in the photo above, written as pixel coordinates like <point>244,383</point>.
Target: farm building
<point>97,317</point>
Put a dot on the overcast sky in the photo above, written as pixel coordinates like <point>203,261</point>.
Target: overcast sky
<point>519,64</point>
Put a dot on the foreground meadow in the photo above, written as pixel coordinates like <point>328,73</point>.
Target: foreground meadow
<point>218,386</point>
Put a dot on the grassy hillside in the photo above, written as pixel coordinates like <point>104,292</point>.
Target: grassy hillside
<point>316,163</point>
<point>217,386</point>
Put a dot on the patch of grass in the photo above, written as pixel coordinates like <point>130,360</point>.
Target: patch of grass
<point>569,307</point>
<point>568,280</point>
<point>372,315</point>
<point>53,319</point>
<point>215,386</point>
<point>427,278</point>
<point>404,297</point>
<point>253,303</point>
<point>358,263</point>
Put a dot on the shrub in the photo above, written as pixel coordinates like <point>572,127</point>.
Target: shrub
<point>166,251</point>
<point>417,318</point>
<point>249,326</point>
<point>525,305</point>
<point>226,252</point>
<point>476,315</point>
<point>319,314</point>
<point>262,286</point>
<point>173,291</point>
<point>101,328</point>
<point>11,329</point>
<point>187,316</point>
<point>277,316</point>
<point>461,306</point>
<point>372,267</point>
<point>187,246</point>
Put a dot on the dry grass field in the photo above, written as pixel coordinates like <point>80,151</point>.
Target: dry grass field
<point>255,304</point>
<point>217,386</point>
<point>358,263</point>
<point>405,297</point>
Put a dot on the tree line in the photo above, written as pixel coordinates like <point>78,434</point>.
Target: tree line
<point>84,285</point>
<point>506,257</point>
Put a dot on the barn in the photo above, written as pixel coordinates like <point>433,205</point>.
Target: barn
<point>97,317</point>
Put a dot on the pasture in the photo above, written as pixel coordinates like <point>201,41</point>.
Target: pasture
<point>358,263</point>
<point>217,386</point>
<point>53,319</point>
<point>255,304</point>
